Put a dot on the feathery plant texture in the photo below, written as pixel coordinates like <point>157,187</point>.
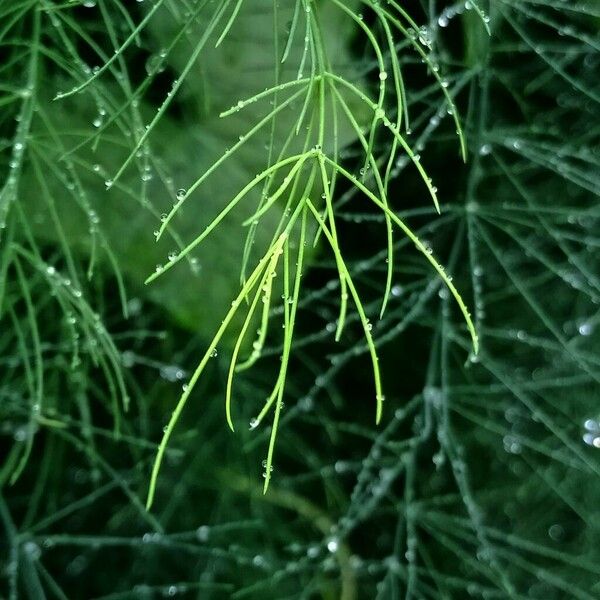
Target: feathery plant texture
<point>268,218</point>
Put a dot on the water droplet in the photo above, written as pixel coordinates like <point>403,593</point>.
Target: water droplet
<point>20,434</point>
<point>155,64</point>
<point>425,36</point>
<point>588,438</point>
<point>556,532</point>
<point>32,550</point>
<point>203,533</point>
<point>172,373</point>
<point>433,395</point>
<point>438,459</point>
<point>473,358</point>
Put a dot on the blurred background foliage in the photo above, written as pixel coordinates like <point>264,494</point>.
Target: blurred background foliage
<point>482,478</point>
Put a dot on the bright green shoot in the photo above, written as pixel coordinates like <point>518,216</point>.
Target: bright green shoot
<point>298,200</point>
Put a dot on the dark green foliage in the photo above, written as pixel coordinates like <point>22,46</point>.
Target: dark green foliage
<point>482,477</point>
